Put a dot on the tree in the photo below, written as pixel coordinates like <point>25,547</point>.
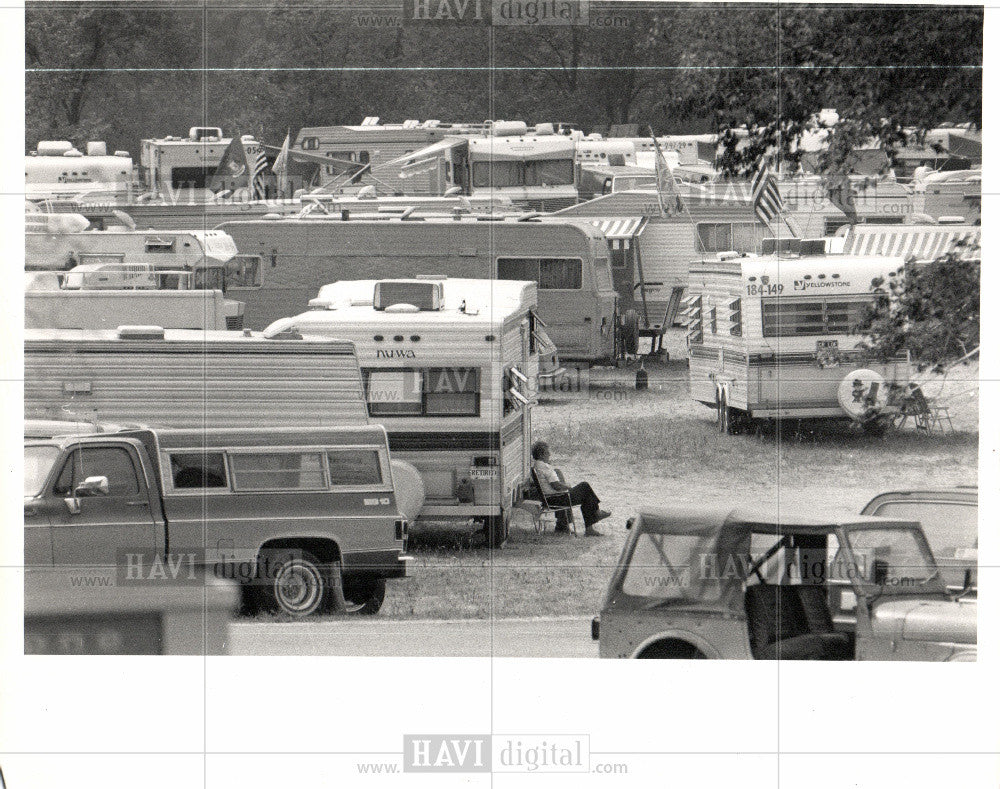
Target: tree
<point>932,311</point>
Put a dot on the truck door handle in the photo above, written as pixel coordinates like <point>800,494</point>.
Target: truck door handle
<point>136,503</point>
<point>586,320</point>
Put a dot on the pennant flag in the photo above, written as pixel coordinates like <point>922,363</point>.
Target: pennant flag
<point>280,166</point>
<point>766,197</point>
<point>666,188</point>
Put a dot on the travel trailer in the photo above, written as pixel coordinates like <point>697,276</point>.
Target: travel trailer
<point>450,368</point>
<point>181,378</point>
<point>175,164</point>
<point>57,170</point>
<point>568,260</point>
<point>651,252</point>
<point>52,302</point>
<point>773,338</point>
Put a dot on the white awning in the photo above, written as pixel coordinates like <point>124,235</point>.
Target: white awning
<point>923,243</point>
<point>620,228</point>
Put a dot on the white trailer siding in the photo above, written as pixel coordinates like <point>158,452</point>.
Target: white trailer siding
<point>109,309</point>
<point>192,378</point>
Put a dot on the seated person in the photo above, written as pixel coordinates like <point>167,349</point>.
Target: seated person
<point>580,494</point>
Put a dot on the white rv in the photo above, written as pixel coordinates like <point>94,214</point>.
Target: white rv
<point>57,170</point>
<point>772,338</point>
<point>187,379</point>
<point>66,300</point>
<point>449,367</point>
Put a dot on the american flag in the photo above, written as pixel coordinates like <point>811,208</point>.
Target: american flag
<point>256,165</point>
<point>766,197</point>
<point>666,188</point>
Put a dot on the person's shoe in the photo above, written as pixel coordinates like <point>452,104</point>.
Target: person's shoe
<point>601,515</point>
<point>561,530</point>
<point>590,531</point>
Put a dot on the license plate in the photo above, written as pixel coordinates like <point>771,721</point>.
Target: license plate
<point>826,345</point>
<point>483,472</point>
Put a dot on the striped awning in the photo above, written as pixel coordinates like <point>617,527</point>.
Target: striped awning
<point>923,243</point>
<point>625,227</point>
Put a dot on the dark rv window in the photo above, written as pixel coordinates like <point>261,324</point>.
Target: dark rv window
<point>277,471</point>
<point>550,172</point>
<point>354,467</point>
<point>115,463</point>
<point>785,318</point>
<point>198,470</point>
<point>549,273</point>
<point>451,391</point>
<point>730,236</point>
<point>210,278</point>
<point>243,271</point>
<point>435,391</point>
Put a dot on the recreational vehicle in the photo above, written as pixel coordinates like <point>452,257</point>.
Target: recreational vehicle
<point>50,302</point>
<point>568,260</point>
<point>57,170</point>
<point>773,338</point>
<point>182,378</point>
<point>450,369</point>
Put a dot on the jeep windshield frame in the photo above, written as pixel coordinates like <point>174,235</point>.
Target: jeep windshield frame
<point>910,566</point>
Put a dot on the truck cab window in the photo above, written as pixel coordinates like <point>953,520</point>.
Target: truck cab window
<point>198,470</point>
<point>115,463</point>
<point>354,467</point>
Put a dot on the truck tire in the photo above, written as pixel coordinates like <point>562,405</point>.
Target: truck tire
<point>630,332</point>
<point>364,596</point>
<point>301,586</point>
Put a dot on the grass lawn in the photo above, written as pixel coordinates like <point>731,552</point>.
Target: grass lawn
<point>656,448</point>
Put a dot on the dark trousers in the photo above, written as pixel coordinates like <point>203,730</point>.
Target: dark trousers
<point>582,495</point>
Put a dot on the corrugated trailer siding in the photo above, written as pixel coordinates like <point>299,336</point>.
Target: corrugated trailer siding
<point>211,385</point>
<point>721,353</point>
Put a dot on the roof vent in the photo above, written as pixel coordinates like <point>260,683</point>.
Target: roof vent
<point>422,295</point>
<point>140,333</point>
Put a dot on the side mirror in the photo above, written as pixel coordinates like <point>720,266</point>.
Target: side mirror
<point>92,486</point>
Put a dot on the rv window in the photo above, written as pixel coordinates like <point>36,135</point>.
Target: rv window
<point>518,269</point>
<point>354,467</point>
<point>363,157</point>
<point>277,471</point>
<point>394,392</point>
<point>497,174</point>
<point>727,236</point>
<point>560,274</point>
<point>198,470</point>
<point>310,143</point>
<point>243,271</point>
<point>451,391</point>
<point>115,463</point>
<point>783,318</point>
<point>550,172</point>
<point>210,279</point>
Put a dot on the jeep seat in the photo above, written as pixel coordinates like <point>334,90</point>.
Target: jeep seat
<point>780,628</point>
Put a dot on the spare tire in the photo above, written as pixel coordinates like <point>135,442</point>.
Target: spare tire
<point>863,394</point>
<point>409,487</point>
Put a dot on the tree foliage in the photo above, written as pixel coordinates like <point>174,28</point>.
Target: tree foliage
<point>932,311</point>
<point>681,68</point>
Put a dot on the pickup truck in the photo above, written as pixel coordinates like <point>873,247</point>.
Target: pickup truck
<point>305,519</point>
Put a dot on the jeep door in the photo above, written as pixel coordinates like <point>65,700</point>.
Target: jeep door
<point>104,524</point>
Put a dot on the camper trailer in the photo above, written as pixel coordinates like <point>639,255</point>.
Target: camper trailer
<point>772,338</point>
<point>450,369</point>
<point>568,260</point>
<point>181,378</point>
<point>57,170</point>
